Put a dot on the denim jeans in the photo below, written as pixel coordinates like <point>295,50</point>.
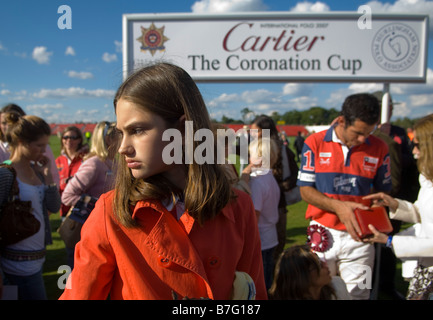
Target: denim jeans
<point>268,266</point>
<point>29,287</point>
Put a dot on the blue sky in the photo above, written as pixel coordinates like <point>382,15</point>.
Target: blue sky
<point>71,75</point>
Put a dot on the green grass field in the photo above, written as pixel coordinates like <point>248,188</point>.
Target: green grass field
<point>56,254</point>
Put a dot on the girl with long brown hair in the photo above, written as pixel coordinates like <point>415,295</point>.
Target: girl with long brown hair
<point>168,229</point>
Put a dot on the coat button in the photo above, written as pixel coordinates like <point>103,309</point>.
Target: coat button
<point>164,262</point>
<point>213,262</point>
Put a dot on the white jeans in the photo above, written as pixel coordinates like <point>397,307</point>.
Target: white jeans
<point>351,260</point>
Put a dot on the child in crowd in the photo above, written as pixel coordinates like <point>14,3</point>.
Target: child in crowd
<point>167,229</point>
<point>301,275</point>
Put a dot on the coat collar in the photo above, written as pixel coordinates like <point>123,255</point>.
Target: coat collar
<point>186,220</point>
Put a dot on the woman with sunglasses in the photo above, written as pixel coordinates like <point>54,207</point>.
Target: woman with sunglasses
<point>70,159</point>
<point>419,245</point>
<point>94,176</point>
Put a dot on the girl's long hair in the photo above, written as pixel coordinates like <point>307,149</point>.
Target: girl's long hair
<point>424,135</point>
<point>292,278</point>
<point>168,91</point>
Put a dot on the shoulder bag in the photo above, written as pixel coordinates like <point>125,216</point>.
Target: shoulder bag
<point>17,221</point>
<point>70,229</point>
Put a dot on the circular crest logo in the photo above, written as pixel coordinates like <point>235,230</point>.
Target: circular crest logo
<point>395,47</point>
<point>152,39</point>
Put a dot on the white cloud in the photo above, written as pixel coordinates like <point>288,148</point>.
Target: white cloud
<point>402,6</point>
<point>298,89</point>
<point>14,96</point>
<point>405,6</point>
<point>80,75</point>
<point>87,112</point>
<point>95,115</point>
<point>49,112</point>
<point>70,51</point>
<point>260,96</point>
<point>41,55</point>
<point>220,6</point>
<point>300,103</point>
<point>62,113</point>
<point>411,100</point>
<point>262,101</point>
<point>59,113</point>
<point>119,46</point>
<point>44,108</point>
<point>419,100</point>
<point>224,100</point>
<point>365,87</point>
<point>310,7</point>
<point>107,57</point>
<point>73,92</point>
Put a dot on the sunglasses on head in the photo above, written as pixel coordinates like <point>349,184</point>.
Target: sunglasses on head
<point>70,137</point>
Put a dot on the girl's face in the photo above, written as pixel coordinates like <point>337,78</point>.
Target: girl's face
<point>141,142</point>
<point>253,132</point>
<point>323,277</point>
<point>34,151</point>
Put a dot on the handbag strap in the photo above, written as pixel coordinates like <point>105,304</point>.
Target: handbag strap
<point>14,191</point>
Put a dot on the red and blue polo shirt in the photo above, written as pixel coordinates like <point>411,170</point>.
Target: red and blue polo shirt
<point>342,173</point>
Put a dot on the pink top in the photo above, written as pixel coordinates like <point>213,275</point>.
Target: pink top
<point>94,177</point>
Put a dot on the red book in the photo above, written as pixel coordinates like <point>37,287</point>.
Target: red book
<point>376,216</point>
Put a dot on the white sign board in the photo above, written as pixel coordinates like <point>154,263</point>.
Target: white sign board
<point>274,46</point>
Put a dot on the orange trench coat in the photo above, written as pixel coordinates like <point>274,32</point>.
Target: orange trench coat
<point>165,256</point>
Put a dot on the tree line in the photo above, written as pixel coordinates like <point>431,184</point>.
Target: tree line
<point>314,116</point>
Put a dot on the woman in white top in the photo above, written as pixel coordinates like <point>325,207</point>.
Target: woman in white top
<point>419,246</point>
<point>22,262</point>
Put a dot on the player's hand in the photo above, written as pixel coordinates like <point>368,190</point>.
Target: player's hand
<point>345,213</point>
